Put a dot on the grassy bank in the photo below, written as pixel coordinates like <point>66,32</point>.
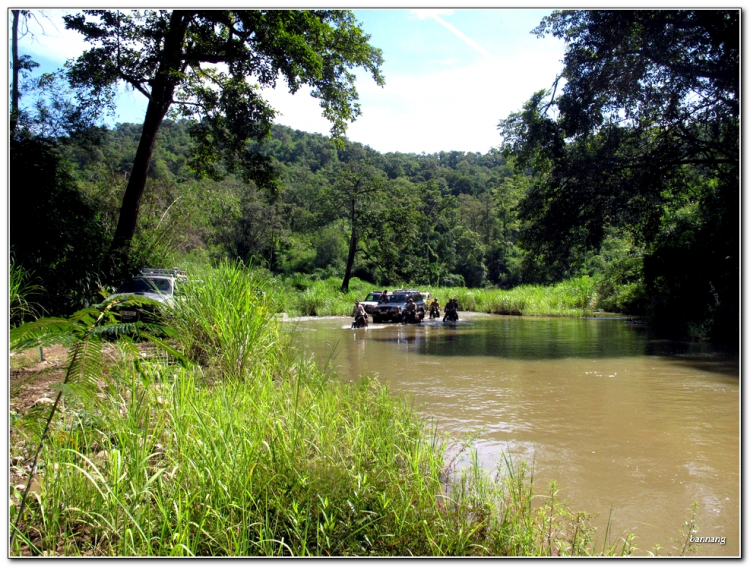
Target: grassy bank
<point>250,450</point>
<point>576,297</point>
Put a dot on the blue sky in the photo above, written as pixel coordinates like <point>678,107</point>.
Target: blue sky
<point>451,75</point>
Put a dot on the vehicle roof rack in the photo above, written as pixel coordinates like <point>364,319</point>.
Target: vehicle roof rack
<point>174,272</point>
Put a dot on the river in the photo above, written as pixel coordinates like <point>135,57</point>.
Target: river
<point>624,422</point>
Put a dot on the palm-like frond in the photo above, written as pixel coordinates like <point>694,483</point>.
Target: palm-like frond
<point>117,329</point>
<point>42,332</point>
<point>85,361</point>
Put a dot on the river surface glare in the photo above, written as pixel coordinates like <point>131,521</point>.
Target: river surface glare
<point>621,420</point>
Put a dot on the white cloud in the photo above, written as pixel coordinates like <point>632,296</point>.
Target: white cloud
<point>300,111</point>
<point>451,109</point>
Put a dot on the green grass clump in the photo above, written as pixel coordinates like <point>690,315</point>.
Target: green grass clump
<point>575,297</point>
<point>255,451</point>
<point>223,318</point>
<point>20,289</point>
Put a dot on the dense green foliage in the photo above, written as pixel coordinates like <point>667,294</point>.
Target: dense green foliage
<point>437,216</point>
<point>421,228</point>
<point>642,143</point>
<point>610,176</point>
<point>197,64</point>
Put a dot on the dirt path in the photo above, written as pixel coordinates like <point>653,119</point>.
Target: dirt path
<point>30,381</point>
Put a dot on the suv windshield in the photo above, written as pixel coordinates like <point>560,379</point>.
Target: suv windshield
<point>399,298</point>
<point>147,285</point>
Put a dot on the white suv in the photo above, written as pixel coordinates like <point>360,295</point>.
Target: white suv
<point>157,284</point>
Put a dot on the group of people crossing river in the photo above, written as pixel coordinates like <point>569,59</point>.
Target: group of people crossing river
<point>410,312</point>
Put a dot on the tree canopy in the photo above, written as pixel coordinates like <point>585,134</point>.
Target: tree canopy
<point>210,65</point>
<point>644,131</point>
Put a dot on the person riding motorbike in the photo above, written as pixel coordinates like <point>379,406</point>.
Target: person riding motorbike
<point>434,309</point>
<point>360,315</point>
<point>451,310</point>
<point>410,313</point>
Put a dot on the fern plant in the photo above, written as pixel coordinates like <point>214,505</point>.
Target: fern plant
<point>84,334</point>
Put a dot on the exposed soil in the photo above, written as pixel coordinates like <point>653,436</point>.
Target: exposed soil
<point>30,384</point>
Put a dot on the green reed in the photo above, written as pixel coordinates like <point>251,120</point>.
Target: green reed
<point>307,297</point>
<point>576,297</point>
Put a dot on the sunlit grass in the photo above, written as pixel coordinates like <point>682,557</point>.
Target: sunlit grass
<point>255,451</point>
<point>307,297</point>
<point>576,297</point>
<point>297,466</point>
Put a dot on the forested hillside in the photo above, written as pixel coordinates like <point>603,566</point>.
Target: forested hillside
<point>648,204</point>
<point>440,218</point>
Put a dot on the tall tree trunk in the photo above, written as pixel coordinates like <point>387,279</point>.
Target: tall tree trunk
<point>14,85</point>
<point>162,91</point>
<point>131,201</point>
<point>352,253</point>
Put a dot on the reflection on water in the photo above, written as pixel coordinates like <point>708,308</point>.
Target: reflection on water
<point>620,418</point>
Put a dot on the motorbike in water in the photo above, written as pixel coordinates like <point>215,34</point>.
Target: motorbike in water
<point>451,315</point>
<point>411,318</point>
<point>359,322</point>
<point>434,313</point>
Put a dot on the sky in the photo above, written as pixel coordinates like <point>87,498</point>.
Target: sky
<point>450,76</point>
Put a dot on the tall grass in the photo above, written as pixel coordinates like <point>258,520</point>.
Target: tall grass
<point>308,297</point>
<point>576,297</point>
<point>20,289</point>
<point>223,318</point>
<point>269,457</point>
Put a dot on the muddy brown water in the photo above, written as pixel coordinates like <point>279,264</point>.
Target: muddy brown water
<point>627,424</point>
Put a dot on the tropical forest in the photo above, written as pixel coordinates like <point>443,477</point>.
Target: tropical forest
<point>246,417</point>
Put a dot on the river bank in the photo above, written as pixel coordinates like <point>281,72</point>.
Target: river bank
<point>252,450</point>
